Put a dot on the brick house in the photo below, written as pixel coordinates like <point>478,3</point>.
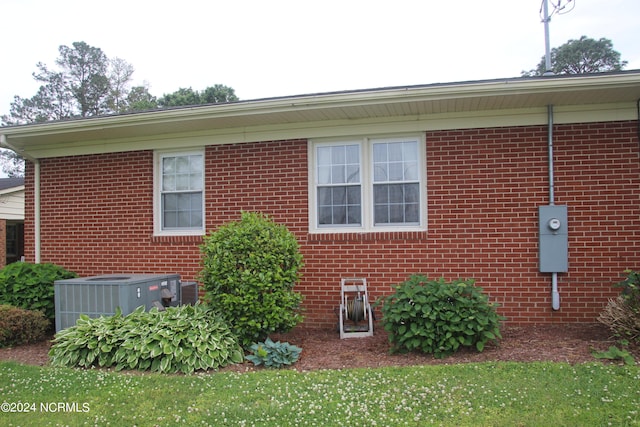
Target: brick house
<point>444,180</point>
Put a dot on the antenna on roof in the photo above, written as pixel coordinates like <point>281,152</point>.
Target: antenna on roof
<point>558,9</point>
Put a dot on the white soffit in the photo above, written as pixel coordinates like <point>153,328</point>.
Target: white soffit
<point>507,102</point>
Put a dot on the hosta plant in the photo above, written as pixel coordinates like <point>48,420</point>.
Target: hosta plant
<point>273,354</point>
<point>180,339</point>
<point>439,317</point>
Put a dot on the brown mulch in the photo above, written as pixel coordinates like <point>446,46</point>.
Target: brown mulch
<point>323,349</point>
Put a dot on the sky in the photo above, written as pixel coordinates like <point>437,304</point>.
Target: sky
<point>265,49</point>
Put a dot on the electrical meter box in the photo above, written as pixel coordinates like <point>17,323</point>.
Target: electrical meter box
<point>100,295</point>
<point>553,239</point>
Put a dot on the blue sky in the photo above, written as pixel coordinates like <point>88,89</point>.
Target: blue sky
<point>278,48</point>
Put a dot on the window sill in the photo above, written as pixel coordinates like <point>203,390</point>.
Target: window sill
<point>172,238</point>
<point>375,236</point>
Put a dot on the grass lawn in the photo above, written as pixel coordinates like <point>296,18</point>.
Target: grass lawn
<point>491,394</point>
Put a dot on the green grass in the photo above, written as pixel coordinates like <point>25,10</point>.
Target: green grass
<point>487,394</point>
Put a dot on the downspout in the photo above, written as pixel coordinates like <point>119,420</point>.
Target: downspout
<point>638,117</point>
<point>555,295</point>
<point>36,194</point>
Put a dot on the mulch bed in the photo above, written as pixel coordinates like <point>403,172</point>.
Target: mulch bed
<point>323,349</point>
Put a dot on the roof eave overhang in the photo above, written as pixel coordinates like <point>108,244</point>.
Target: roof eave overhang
<point>451,98</point>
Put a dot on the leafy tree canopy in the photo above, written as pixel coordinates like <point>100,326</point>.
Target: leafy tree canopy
<point>86,83</point>
<point>139,99</point>
<point>212,95</point>
<point>585,55</point>
<point>12,165</point>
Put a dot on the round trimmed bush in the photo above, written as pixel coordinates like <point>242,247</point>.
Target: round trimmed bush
<point>20,326</point>
<point>249,270</point>
<point>439,317</point>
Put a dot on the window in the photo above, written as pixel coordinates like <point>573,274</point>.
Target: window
<point>396,186</point>
<point>339,189</point>
<point>179,193</point>
<point>367,184</point>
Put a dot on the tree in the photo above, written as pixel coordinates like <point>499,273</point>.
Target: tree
<point>86,69</point>
<point>139,99</point>
<point>585,55</point>
<point>212,95</point>
<point>217,94</point>
<point>12,163</point>
<point>120,72</point>
<point>52,102</point>
<point>87,83</point>
<point>180,97</point>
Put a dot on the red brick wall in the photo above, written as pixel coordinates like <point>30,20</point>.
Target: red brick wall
<point>484,187</point>
<point>97,218</point>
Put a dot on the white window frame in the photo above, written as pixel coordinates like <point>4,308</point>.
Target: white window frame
<point>366,182</point>
<point>157,195</point>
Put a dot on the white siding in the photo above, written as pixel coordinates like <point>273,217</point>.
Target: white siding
<point>12,203</point>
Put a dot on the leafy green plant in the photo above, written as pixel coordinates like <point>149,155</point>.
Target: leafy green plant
<point>614,353</point>
<point>249,270</point>
<point>438,317</point>
<point>631,288</point>
<point>30,286</point>
<point>20,326</point>
<point>622,314</point>
<point>180,339</point>
<point>273,354</point>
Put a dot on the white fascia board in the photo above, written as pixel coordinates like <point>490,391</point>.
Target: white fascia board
<point>341,99</point>
<point>342,128</point>
<point>101,126</point>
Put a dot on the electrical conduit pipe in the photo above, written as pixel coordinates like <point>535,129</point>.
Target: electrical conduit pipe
<point>555,295</point>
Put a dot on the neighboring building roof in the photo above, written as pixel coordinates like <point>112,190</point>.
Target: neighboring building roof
<point>486,103</point>
<point>6,183</point>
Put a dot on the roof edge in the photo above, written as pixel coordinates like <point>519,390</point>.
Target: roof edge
<point>327,99</point>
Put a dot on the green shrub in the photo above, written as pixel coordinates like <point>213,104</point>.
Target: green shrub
<point>622,314</point>
<point>249,270</point>
<point>180,339</point>
<point>273,354</point>
<point>30,286</point>
<point>630,289</point>
<point>438,317</point>
<point>20,326</point>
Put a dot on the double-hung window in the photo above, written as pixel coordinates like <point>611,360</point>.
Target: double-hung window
<point>369,184</point>
<point>179,193</point>
<point>339,186</point>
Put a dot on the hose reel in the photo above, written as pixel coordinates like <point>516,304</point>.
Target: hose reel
<point>355,314</point>
<point>355,309</point>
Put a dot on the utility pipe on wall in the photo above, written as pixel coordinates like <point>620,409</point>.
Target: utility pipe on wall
<point>36,194</point>
<point>555,295</point>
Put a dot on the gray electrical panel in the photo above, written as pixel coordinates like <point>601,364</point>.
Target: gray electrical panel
<point>553,239</point>
<point>100,295</point>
